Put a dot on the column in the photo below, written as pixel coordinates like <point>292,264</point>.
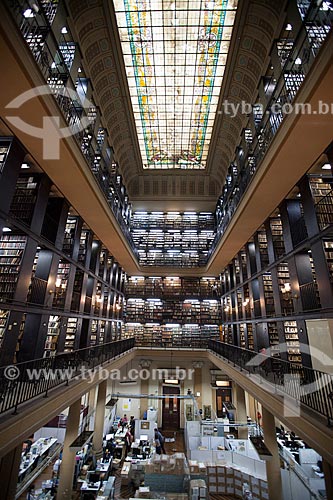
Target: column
<point>99,419</point>
<point>144,364</point>
<point>252,408</point>
<point>68,456</point>
<point>241,415</point>
<point>9,471</point>
<point>91,406</point>
<point>197,381</point>
<point>328,473</point>
<point>144,401</point>
<point>273,465</point>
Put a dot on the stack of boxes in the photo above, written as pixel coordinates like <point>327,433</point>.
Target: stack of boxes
<point>224,480</point>
<point>145,492</point>
<point>125,473</point>
<point>198,470</point>
<point>167,473</point>
<point>198,489</point>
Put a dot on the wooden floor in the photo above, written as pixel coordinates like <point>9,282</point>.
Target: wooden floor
<point>124,492</point>
<point>44,476</point>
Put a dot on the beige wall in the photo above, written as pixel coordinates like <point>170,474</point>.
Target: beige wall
<point>320,335</point>
<point>155,387</point>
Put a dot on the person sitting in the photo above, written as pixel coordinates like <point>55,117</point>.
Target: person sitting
<point>111,445</point>
<point>31,493</point>
<point>106,455</point>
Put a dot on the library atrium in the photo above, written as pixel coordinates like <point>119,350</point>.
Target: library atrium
<point>166,249</point>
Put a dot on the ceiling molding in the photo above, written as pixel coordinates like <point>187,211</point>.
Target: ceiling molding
<point>256,24</point>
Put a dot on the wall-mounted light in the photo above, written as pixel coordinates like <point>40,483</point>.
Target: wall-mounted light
<point>171,381</point>
<point>222,383</point>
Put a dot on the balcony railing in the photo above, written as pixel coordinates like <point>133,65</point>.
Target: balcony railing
<point>312,388</point>
<point>24,381</point>
<point>55,66</point>
<point>317,25</point>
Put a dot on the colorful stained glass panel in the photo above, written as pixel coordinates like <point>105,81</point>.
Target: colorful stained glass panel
<point>175,54</point>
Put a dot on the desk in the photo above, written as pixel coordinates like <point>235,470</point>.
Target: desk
<point>42,446</point>
<point>107,491</point>
<point>104,491</point>
<point>120,434</point>
<point>87,488</point>
<point>104,467</point>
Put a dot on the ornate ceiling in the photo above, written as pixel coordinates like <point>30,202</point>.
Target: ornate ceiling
<point>159,76</point>
<point>175,54</point>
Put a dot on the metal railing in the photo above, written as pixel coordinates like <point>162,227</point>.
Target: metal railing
<point>50,57</point>
<point>24,381</point>
<point>316,27</point>
<point>312,388</point>
<point>324,211</point>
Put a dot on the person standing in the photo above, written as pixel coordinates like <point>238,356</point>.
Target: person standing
<point>157,443</point>
<point>161,439</point>
<point>132,425</point>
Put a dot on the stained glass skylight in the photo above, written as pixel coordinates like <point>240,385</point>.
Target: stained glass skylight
<point>175,54</point>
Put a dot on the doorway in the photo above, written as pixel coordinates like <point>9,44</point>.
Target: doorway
<point>171,408</point>
<point>222,396</point>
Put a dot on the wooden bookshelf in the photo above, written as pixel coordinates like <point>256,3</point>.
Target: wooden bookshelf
<point>263,249</point>
<point>11,253</point>
<point>239,300</point>
<point>93,332</point>
<point>273,339</point>
<point>61,284</point>
<point>268,294</point>
<point>292,341</point>
<point>328,247</point>
<point>71,332</point>
<point>283,277</point>
<point>68,243</point>
<point>4,150</point>
<point>53,332</point>
<point>24,199</point>
<point>4,314</point>
<point>277,236</point>
<point>102,327</point>
<point>320,186</point>
<point>250,340</point>
<point>83,246</point>
<point>241,334</point>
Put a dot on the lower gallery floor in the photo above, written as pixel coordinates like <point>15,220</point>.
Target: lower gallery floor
<point>206,421</point>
